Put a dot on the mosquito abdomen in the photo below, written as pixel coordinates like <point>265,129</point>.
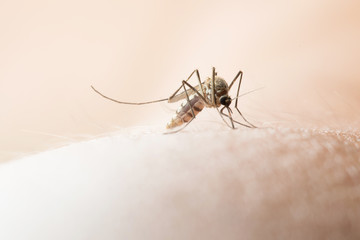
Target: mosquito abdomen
<point>184,113</point>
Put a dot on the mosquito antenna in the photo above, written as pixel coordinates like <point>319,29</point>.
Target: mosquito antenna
<point>241,95</point>
<point>130,103</point>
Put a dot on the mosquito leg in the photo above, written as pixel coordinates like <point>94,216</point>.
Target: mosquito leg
<point>239,75</point>
<point>224,114</point>
<point>200,83</point>
<point>221,115</point>
<point>231,119</point>
<point>130,103</point>
<point>228,116</point>
<point>234,80</point>
<point>196,91</point>
<point>252,125</point>
<point>213,87</point>
<point>187,98</point>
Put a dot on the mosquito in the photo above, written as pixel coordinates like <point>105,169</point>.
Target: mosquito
<point>212,93</point>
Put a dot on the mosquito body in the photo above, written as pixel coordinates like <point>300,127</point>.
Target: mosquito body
<point>196,104</point>
<point>212,93</point>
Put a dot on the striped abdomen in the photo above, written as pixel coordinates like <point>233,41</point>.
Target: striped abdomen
<point>184,114</point>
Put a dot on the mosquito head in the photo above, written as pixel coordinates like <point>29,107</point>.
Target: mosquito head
<point>225,100</point>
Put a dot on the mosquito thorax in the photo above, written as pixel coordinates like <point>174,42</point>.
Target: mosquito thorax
<point>221,86</point>
<point>221,92</point>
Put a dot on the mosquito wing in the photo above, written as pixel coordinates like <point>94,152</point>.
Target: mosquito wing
<point>182,95</point>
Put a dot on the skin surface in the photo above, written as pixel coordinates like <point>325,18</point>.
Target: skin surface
<point>268,183</point>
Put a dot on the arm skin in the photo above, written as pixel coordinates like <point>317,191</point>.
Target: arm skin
<point>270,183</point>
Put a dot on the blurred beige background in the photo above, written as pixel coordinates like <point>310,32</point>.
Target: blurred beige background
<point>305,54</point>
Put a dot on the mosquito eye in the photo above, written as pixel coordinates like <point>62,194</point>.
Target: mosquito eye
<point>223,100</point>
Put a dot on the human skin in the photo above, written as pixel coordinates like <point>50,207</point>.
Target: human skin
<point>265,183</point>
